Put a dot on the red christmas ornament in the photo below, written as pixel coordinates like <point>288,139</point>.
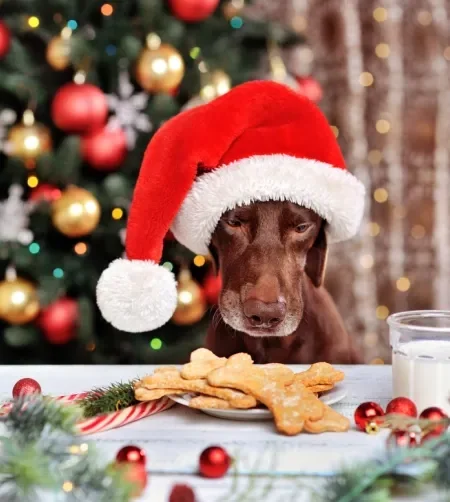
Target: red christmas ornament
<point>59,321</point>
<point>5,39</point>
<point>310,88</point>
<point>136,475</point>
<point>182,493</point>
<point>193,11</point>
<point>106,149</point>
<point>402,439</point>
<point>26,386</point>
<point>214,462</point>
<point>212,287</point>
<point>367,412</point>
<point>46,192</point>
<point>79,108</point>
<point>131,454</point>
<point>434,413</point>
<point>402,406</point>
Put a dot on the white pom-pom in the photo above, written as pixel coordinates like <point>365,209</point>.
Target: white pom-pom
<point>136,295</point>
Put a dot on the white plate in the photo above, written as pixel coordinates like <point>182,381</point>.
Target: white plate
<point>330,397</point>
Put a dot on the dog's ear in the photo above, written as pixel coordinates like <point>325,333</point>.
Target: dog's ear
<point>316,260</point>
<point>215,257</point>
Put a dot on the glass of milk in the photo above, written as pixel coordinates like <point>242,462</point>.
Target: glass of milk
<point>420,342</point>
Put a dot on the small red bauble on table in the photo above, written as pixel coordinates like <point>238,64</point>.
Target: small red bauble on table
<point>45,192</point>
<point>59,321</point>
<point>25,387</point>
<point>131,454</point>
<point>79,108</point>
<point>402,406</point>
<point>193,11</point>
<point>182,493</point>
<point>105,150</point>
<point>368,415</point>
<point>214,462</point>
<point>435,414</point>
<point>5,39</point>
<point>131,460</point>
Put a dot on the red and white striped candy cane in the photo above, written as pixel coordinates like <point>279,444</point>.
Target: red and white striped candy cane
<point>112,420</point>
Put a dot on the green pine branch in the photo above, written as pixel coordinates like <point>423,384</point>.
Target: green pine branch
<point>114,397</point>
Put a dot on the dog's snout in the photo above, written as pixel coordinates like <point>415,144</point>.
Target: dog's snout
<point>262,314</point>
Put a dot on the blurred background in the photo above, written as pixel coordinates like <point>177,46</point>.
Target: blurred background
<point>83,86</point>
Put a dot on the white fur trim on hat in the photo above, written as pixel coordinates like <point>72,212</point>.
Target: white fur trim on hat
<point>334,194</point>
<point>136,295</point>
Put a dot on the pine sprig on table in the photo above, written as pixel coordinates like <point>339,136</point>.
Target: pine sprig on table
<point>41,458</point>
<point>114,397</point>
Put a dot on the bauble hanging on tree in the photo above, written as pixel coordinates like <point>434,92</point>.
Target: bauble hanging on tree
<point>19,302</point>
<point>191,305</point>
<point>79,108</point>
<point>193,11</point>
<point>59,321</point>
<point>59,51</point>
<point>212,287</point>
<point>310,88</point>
<point>29,139</point>
<point>5,39</point>
<point>105,149</point>
<point>45,192</point>
<point>160,67</point>
<point>76,213</point>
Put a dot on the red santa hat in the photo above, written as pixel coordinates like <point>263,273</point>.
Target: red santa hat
<point>260,141</point>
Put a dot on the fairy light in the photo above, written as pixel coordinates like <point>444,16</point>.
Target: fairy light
<point>117,213</point>
<point>236,22</point>
<point>33,22</point>
<point>382,312</point>
<point>382,50</point>
<point>72,24</point>
<point>32,181</point>
<point>199,261</point>
<point>380,14</point>
<point>80,248</point>
<point>447,53</point>
<point>383,126</point>
<point>66,33</point>
<point>366,261</point>
<point>34,248</point>
<point>90,347</point>
<point>335,130</point>
<point>67,486</point>
<point>167,265</point>
<point>74,449</point>
<point>366,79</point>
<point>107,9</point>
<point>84,447</point>
<point>194,52</point>
<point>58,273</point>
<point>403,284</point>
<point>380,195</point>
<point>418,232</point>
<point>156,343</point>
<point>374,229</point>
<point>424,17</point>
<point>375,157</point>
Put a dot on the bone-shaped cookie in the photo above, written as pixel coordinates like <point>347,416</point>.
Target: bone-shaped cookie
<point>320,374</point>
<point>202,362</point>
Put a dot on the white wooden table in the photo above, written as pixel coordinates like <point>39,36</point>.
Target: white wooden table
<point>174,439</point>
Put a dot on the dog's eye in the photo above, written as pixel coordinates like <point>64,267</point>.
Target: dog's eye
<point>302,228</point>
<point>233,223</point>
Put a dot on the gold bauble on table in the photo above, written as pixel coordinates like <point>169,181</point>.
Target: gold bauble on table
<point>191,306</point>
<point>29,139</point>
<point>76,213</point>
<point>160,67</point>
<point>58,52</point>
<point>19,302</point>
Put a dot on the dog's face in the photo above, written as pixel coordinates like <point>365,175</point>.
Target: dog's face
<point>264,251</point>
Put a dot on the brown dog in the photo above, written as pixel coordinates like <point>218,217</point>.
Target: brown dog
<point>273,305</point>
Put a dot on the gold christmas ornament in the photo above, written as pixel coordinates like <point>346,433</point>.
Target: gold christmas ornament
<point>76,213</point>
<point>214,84</point>
<point>29,139</point>
<point>160,67</point>
<point>58,50</point>
<point>19,302</point>
<point>191,306</point>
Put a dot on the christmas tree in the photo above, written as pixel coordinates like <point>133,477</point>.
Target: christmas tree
<point>83,86</point>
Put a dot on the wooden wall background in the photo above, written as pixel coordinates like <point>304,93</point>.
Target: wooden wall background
<point>384,68</point>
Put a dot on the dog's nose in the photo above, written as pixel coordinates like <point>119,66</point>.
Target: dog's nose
<point>264,314</point>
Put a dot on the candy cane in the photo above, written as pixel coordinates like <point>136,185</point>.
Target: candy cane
<point>108,421</point>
